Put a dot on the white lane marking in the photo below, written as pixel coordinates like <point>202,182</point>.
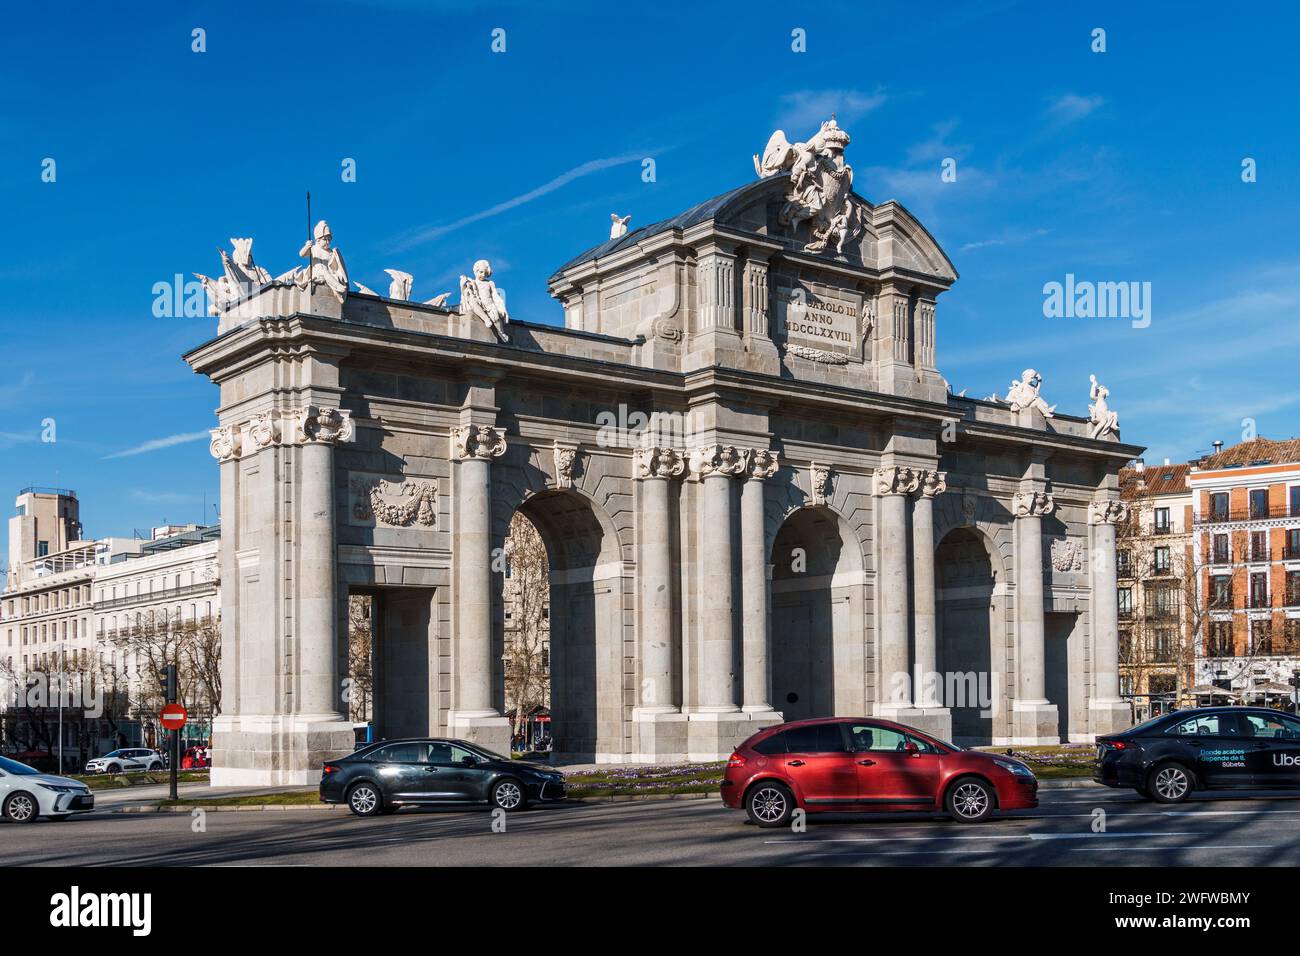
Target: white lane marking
<point>1243,846</point>
<point>1218,813</point>
<point>1009,836</point>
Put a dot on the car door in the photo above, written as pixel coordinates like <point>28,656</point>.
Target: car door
<point>1213,747</point>
<point>450,778</point>
<point>818,761</point>
<point>1273,749</point>
<point>134,760</point>
<point>895,769</point>
<point>401,770</point>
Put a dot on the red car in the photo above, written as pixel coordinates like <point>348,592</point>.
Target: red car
<point>854,764</point>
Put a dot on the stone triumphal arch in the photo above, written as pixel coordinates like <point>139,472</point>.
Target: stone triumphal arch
<point>757,492</point>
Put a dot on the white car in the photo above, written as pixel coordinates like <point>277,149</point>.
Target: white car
<point>26,793</point>
<point>121,761</point>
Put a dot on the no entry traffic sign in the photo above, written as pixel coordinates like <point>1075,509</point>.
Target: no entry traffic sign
<point>173,716</point>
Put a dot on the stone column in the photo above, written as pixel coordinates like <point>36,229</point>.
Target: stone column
<point>1107,712</point>
<point>714,465</point>
<point>760,464</point>
<point>1034,717</point>
<point>656,467</point>
<point>933,483</point>
<point>226,447</point>
<point>893,485</point>
<point>473,716</point>
<point>319,429</point>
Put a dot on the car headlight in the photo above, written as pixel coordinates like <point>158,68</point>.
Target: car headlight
<point>59,788</point>
<point>1019,769</point>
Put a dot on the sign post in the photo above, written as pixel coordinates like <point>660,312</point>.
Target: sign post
<point>173,718</point>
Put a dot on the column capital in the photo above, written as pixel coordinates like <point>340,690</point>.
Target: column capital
<point>897,480</point>
<point>1110,511</point>
<point>932,484</point>
<point>760,463</point>
<point>317,424</point>
<point>227,442</point>
<point>477,441</point>
<point>710,460</point>
<point>1033,504</point>
<point>656,462</point>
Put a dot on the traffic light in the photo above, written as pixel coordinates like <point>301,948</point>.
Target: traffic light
<point>167,683</point>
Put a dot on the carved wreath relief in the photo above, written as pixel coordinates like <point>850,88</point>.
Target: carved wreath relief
<point>394,504</point>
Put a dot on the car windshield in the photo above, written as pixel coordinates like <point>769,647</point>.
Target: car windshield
<point>115,753</point>
<point>16,768</point>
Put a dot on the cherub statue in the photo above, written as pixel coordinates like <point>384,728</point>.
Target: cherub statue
<point>480,296</point>
<point>327,267</point>
<point>1024,393</point>
<point>1104,421</point>
<point>617,225</point>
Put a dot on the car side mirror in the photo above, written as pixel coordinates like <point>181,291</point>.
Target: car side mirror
<point>469,761</point>
<point>912,749</point>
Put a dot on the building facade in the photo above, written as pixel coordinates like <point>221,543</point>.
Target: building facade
<point>1246,515</point>
<point>759,497</point>
<point>1157,614</point>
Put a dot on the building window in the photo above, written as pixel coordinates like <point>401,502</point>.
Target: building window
<point>1291,634</point>
<point>1259,546</point>
<point>1218,641</point>
<point>1162,560</point>
<point>1219,506</point>
<point>1221,591</point>
<point>1295,501</point>
<point>1261,637</point>
<point>1160,602</point>
<point>1123,561</point>
<point>1293,589</point>
<point>1259,503</point>
<point>1162,521</point>
<point>1293,544</point>
<point>1125,596</point>
<point>1222,552</point>
<point>42,548</point>
<point>1259,589</point>
<point>1162,645</point>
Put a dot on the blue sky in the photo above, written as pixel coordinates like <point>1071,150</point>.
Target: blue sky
<point>1118,166</point>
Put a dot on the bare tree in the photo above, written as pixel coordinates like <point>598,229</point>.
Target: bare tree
<point>360,694</point>
<point>527,639</point>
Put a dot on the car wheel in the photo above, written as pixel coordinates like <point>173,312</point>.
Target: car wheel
<point>113,768</point>
<point>1170,783</point>
<point>969,800</point>
<point>155,766</point>
<point>21,808</point>
<point>365,800</point>
<point>769,804</point>
<point>508,794</point>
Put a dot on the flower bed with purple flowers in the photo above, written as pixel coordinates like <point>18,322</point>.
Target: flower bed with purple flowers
<point>1060,762</point>
<point>646,780</point>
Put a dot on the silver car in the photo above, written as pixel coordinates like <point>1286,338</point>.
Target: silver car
<point>125,760</point>
<point>26,793</point>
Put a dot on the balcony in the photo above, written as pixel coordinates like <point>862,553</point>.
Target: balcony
<point>1221,559</point>
<point>1221,602</point>
<point>1259,602</point>
<point>153,597</point>
<point>1246,514</point>
<point>1260,556</point>
<point>1160,529</point>
<point>1291,551</point>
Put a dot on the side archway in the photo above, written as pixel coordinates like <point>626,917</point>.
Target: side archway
<point>817,616</point>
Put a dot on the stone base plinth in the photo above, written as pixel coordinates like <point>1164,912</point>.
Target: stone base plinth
<point>267,750</point>
<point>1109,717</point>
<point>492,733</point>
<point>714,736</point>
<point>935,721</point>
<point>659,737</point>
<point>1034,724</point>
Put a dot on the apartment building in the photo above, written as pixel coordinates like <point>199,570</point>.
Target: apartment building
<point>1154,565</point>
<point>1246,517</point>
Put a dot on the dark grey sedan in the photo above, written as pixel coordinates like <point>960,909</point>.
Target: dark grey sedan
<point>383,777</point>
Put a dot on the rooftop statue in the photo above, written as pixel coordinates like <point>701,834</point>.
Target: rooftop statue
<point>617,225</point>
<point>1024,394</point>
<point>326,266</point>
<point>400,286</point>
<point>821,186</point>
<point>1104,421</point>
<point>241,276</point>
<point>480,296</point>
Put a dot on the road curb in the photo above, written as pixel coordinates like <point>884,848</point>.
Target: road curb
<point>1080,784</point>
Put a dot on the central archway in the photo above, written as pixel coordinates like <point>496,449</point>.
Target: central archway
<point>817,616</point>
<point>584,619</point>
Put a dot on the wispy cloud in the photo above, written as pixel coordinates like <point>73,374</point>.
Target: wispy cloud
<point>1071,107</point>
<point>803,111</point>
<point>1007,239</point>
<point>160,443</point>
<point>429,233</point>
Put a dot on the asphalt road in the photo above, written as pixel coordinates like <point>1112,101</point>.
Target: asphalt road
<point>1259,830</point>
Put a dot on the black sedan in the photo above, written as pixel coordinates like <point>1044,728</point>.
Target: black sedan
<point>386,776</point>
<point>1210,748</point>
